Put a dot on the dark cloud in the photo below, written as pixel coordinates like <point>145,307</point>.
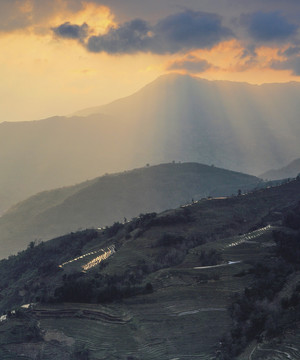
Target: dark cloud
<point>175,33</point>
<point>11,16</point>
<point>71,31</point>
<point>292,61</point>
<point>193,65</point>
<point>189,30</point>
<point>152,10</point>
<point>268,26</point>
<point>291,51</point>
<point>249,52</point>
<point>130,37</point>
<point>292,64</point>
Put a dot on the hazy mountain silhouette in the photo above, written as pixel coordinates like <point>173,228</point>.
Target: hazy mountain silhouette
<point>289,171</point>
<point>110,198</point>
<point>232,125</point>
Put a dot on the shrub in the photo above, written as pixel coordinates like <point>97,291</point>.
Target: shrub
<point>170,240</point>
<point>209,258</point>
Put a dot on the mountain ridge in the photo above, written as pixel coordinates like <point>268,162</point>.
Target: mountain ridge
<point>92,110</point>
<point>290,170</point>
<point>110,198</point>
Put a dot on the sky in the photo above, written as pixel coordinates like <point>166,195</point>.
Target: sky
<point>60,56</point>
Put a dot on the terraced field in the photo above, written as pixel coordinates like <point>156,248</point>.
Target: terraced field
<point>88,260</point>
<point>184,317</point>
<point>288,348</point>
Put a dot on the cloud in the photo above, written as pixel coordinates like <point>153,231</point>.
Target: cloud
<point>175,33</point>
<point>292,64</point>
<point>191,65</point>
<point>291,61</point>
<point>13,15</point>
<point>189,30</point>
<point>268,26</point>
<point>155,9</point>
<point>249,52</point>
<point>40,16</point>
<point>71,31</point>
<point>291,51</point>
<point>131,37</point>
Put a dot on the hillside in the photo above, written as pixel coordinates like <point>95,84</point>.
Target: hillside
<point>159,287</point>
<point>112,198</point>
<point>176,117</point>
<point>289,171</point>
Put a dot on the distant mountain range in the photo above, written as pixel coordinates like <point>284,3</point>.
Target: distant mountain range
<point>237,126</point>
<point>289,171</point>
<point>110,198</point>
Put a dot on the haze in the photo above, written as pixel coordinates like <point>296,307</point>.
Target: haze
<point>60,56</point>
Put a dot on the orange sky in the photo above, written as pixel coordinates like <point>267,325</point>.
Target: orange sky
<point>43,75</point>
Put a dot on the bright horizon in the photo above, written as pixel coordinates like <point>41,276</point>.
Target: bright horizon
<point>77,110</point>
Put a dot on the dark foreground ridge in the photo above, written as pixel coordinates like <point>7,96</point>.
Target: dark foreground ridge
<point>160,285</point>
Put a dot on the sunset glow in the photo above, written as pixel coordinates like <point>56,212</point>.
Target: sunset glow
<point>50,65</point>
